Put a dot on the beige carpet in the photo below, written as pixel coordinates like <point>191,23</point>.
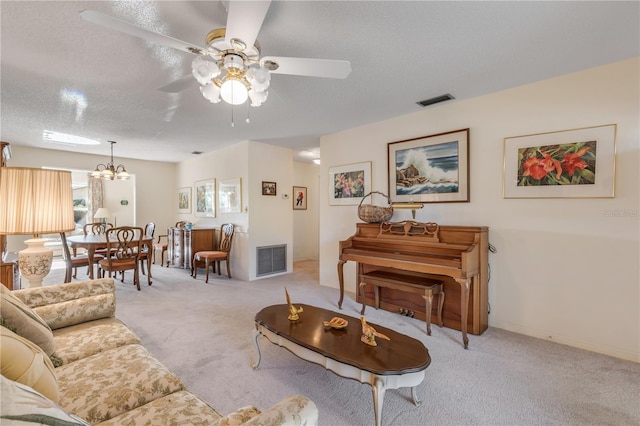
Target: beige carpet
<point>203,332</point>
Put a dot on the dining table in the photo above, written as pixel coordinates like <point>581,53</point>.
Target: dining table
<point>93,242</point>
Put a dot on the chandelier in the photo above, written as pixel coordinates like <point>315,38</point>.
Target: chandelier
<point>109,171</point>
<point>235,74</point>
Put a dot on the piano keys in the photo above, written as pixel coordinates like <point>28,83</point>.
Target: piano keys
<point>456,255</point>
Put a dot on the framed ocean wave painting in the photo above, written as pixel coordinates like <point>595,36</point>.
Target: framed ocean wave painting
<point>578,163</point>
<point>430,169</point>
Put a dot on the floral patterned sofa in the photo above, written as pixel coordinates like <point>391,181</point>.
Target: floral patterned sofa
<point>66,359</point>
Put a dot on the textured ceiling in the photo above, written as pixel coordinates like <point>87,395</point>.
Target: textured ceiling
<point>61,73</point>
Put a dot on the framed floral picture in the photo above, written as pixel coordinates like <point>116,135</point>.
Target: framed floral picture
<point>348,184</point>
<point>430,169</point>
<point>299,197</point>
<point>205,198</point>
<point>578,163</point>
<point>230,196</point>
<point>184,200</point>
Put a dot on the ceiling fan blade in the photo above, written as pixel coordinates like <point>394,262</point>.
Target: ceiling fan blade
<point>179,85</point>
<point>127,28</point>
<point>328,68</point>
<point>245,20</point>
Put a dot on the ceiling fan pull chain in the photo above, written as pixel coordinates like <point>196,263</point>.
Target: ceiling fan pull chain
<point>248,121</point>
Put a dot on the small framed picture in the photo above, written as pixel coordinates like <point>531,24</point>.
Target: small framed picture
<point>184,200</point>
<point>268,188</point>
<point>299,197</point>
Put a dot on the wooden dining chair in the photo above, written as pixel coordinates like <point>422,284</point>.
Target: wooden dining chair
<point>214,257</point>
<point>124,244</point>
<point>73,262</point>
<point>149,230</point>
<point>97,228</point>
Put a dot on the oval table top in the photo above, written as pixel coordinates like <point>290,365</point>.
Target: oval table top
<point>400,355</point>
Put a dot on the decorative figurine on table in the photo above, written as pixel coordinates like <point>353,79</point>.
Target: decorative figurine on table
<point>337,323</point>
<point>369,333</point>
<point>293,311</point>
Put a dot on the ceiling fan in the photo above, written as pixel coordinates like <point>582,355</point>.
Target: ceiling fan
<point>230,66</point>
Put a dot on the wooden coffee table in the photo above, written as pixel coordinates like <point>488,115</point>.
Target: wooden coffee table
<point>397,363</point>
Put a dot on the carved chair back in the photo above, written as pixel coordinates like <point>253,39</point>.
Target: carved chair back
<point>124,243</point>
<point>97,228</point>
<point>226,236</point>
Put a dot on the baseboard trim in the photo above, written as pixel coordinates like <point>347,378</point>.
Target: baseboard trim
<point>552,336</point>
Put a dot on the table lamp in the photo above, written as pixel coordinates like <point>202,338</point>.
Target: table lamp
<point>102,213</point>
<point>35,201</point>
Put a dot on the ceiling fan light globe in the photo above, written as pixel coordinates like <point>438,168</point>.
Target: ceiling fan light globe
<point>262,75</point>
<point>234,92</point>
<point>211,92</point>
<point>259,78</point>
<point>258,73</point>
<point>257,97</point>
<point>203,70</point>
<point>260,87</point>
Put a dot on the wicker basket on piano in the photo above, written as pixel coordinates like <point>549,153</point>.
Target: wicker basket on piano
<point>375,214</point>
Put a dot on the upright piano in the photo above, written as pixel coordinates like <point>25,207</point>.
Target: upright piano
<point>456,255</point>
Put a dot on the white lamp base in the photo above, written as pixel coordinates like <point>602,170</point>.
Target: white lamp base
<point>35,261</point>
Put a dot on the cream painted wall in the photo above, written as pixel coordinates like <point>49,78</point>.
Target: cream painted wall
<point>270,216</point>
<point>305,222</point>
<point>154,183</point>
<point>223,164</point>
<point>565,269</point>
<point>114,193</point>
<point>264,220</point>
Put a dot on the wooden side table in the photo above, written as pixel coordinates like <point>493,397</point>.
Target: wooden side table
<point>10,275</point>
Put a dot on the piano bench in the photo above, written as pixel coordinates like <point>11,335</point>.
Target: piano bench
<point>424,286</point>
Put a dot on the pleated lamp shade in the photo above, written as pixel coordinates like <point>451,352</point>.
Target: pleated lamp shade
<point>35,201</point>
